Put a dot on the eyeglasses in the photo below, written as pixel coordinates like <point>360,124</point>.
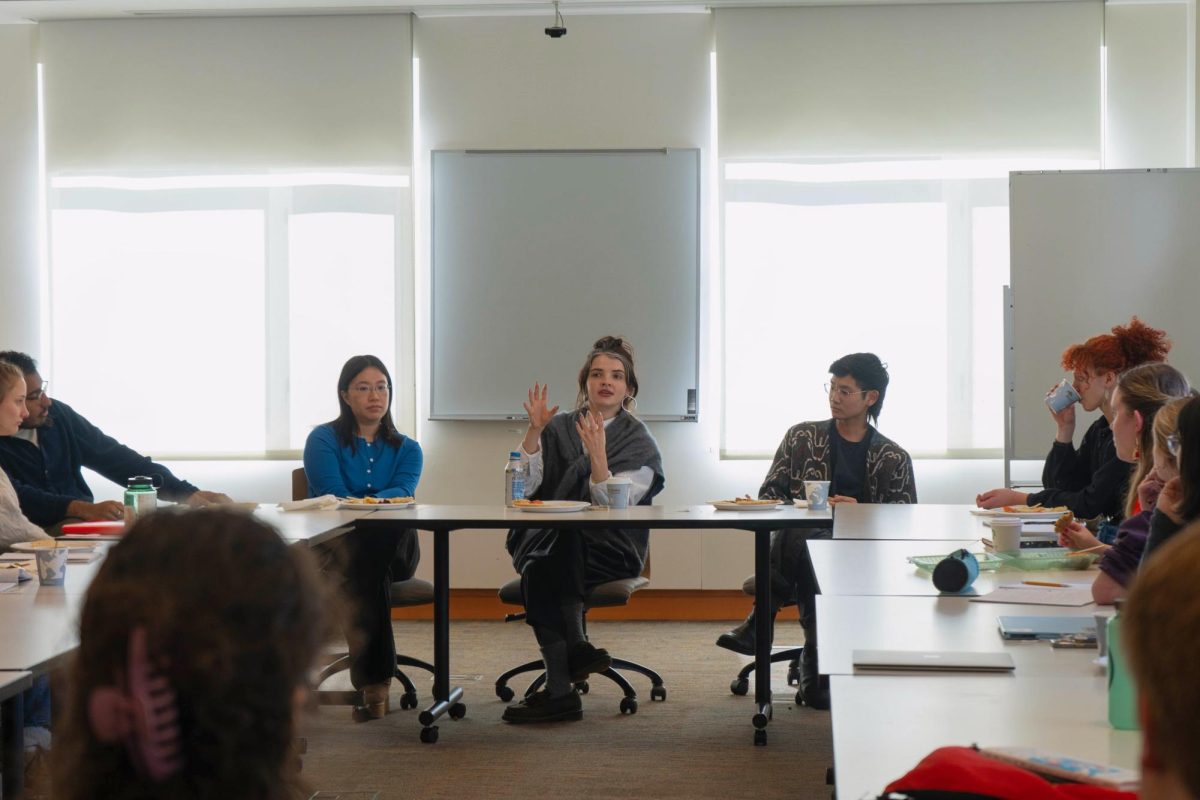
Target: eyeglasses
<point>33,397</point>
<point>1173,444</point>
<point>365,389</point>
<point>842,391</point>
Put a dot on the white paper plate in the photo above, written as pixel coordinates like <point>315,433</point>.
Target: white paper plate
<point>555,507</point>
<point>729,505</point>
<point>41,544</point>
<point>359,505</point>
<point>996,512</point>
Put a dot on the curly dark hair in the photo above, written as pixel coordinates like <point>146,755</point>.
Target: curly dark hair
<point>615,347</point>
<point>236,615</point>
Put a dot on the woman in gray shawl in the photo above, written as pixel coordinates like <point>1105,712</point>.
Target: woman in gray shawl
<point>570,456</point>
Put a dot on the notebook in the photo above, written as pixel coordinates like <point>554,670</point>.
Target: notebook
<point>931,661</point>
<point>1045,627</point>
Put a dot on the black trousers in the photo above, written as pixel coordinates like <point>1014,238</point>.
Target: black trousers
<point>791,567</point>
<point>366,562</point>
<point>552,581</point>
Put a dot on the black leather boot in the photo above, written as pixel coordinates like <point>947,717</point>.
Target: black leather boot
<point>814,687</point>
<point>740,639</point>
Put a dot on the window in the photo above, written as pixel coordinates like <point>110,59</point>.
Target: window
<point>210,316</point>
<point>906,259</point>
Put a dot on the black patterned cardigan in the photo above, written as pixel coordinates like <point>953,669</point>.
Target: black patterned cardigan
<point>806,454</point>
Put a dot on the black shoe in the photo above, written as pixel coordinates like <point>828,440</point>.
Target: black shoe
<point>740,639</point>
<point>541,707</point>
<point>814,687</point>
<point>585,659</point>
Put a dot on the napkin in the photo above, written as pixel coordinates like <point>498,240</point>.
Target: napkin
<point>311,504</point>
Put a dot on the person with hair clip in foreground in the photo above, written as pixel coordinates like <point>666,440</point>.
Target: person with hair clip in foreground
<point>570,457</point>
<point>861,464</point>
<point>1090,481</point>
<point>196,640</point>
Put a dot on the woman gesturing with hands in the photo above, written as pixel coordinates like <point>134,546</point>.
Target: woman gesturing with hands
<point>571,456</point>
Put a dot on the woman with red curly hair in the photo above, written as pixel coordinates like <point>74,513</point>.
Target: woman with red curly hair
<point>1090,480</point>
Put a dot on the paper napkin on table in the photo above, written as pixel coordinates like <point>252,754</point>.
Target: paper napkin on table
<point>311,504</point>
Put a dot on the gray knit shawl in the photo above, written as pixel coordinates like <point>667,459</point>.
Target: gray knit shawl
<point>566,475</point>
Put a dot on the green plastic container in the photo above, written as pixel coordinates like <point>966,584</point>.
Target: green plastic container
<point>1122,694</point>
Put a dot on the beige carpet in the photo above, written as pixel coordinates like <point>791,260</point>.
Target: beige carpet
<point>697,744</point>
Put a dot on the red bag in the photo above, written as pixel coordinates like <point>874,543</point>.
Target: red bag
<point>961,773</point>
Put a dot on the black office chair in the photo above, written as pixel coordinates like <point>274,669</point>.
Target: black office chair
<point>613,593</point>
<point>741,684</point>
<point>404,594</point>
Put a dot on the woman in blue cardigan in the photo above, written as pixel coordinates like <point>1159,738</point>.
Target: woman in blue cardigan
<point>361,454</point>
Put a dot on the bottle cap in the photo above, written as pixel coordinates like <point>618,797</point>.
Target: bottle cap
<point>139,480</point>
<point>514,454</point>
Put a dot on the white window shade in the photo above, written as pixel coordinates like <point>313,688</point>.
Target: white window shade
<point>176,95</point>
<point>1001,79</point>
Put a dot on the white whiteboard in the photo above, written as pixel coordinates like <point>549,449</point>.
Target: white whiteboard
<point>536,255</point>
<point>1089,250</point>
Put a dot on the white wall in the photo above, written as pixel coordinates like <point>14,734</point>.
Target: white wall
<point>19,275</point>
<point>1147,46</point>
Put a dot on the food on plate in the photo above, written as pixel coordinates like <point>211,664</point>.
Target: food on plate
<point>1038,509</point>
<point>380,501</point>
<point>747,500</point>
<point>1062,523</point>
<point>528,503</point>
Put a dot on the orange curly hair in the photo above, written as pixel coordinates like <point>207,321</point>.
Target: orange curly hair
<point>1125,347</point>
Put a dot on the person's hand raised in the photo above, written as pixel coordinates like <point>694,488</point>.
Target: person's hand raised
<point>535,407</point>
<point>590,427</point>
<point>1170,500</point>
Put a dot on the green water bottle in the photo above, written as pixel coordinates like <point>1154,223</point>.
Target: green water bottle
<point>1122,694</point>
<point>140,497</point>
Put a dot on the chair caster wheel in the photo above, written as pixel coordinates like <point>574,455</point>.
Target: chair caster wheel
<point>429,735</point>
<point>408,700</point>
<point>793,676</point>
<point>504,693</point>
<point>658,693</point>
<point>457,711</point>
<point>739,686</point>
<point>628,705</point>
<point>799,699</point>
<point>760,738</point>
<point>582,687</point>
<point>360,714</point>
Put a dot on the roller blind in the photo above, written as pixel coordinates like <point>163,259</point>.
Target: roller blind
<point>1002,79</point>
<point>277,93</point>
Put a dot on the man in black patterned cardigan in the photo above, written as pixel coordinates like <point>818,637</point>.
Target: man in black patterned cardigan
<point>861,464</point>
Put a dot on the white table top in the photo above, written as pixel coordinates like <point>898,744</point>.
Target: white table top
<point>941,623</point>
<point>310,527</point>
<point>906,521</point>
<point>850,567</point>
<point>12,683</point>
<point>882,725</point>
<point>425,516</point>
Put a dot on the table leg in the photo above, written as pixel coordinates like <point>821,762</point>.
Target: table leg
<point>12,736</point>
<point>763,633</point>
<point>445,698</point>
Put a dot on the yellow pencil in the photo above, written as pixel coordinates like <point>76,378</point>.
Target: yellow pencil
<point>1046,583</point>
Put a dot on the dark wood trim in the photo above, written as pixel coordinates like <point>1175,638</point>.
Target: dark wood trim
<point>649,604</point>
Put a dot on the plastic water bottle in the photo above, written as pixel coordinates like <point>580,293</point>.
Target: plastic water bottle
<point>140,497</point>
<point>1122,694</point>
<point>514,479</point>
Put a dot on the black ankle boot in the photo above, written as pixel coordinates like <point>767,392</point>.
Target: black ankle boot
<point>814,687</point>
<point>740,639</point>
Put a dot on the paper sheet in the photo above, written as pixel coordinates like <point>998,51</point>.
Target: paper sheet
<point>1076,594</point>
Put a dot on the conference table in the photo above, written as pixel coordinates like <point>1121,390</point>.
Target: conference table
<point>441,520</point>
<point>873,599</point>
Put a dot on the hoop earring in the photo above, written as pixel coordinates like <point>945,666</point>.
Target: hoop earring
<point>632,401</point>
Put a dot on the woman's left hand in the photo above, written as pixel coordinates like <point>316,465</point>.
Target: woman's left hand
<point>1170,500</point>
<point>590,427</point>
<point>1077,537</point>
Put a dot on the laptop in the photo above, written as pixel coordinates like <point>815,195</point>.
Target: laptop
<point>931,661</point>
<point>1025,628</point>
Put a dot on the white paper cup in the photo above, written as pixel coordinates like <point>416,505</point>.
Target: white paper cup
<point>817,493</point>
<point>618,492</point>
<point>52,565</point>
<point>1061,396</point>
<point>1006,535</point>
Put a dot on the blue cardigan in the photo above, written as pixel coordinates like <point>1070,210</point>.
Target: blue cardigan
<point>374,469</point>
<point>48,476</point>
